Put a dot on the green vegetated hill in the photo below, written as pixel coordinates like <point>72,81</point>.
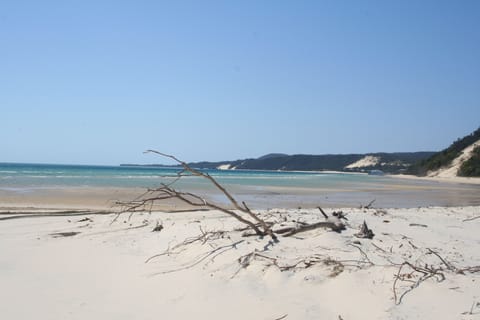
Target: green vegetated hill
<point>387,162</point>
<point>471,167</point>
<point>443,158</point>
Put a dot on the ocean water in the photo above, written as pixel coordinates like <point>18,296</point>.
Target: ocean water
<point>16,175</point>
<point>261,188</point>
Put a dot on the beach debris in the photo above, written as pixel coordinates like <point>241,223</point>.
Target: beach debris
<point>380,212</point>
<point>418,225</point>
<point>33,214</point>
<point>336,226</point>
<point>333,223</point>
<point>64,234</point>
<point>240,211</point>
<point>335,267</point>
<point>474,305</point>
<point>158,227</point>
<point>86,219</point>
<point>340,215</point>
<point>365,232</point>
<point>417,273</point>
<point>368,206</point>
<point>471,219</point>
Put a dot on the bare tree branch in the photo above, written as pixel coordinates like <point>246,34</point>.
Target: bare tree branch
<point>241,212</point>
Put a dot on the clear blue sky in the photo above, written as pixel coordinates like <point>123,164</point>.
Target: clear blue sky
<point>98,82</point>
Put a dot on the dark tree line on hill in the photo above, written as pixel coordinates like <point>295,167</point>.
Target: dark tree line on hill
<point>416,163</point>
<point>388,162</point>
<point>396,162</point>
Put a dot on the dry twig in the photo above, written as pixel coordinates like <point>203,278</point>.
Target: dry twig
<point>471,219</point>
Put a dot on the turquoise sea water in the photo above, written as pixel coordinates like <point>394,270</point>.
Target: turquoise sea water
<point>15,175</point>
<point>263,188</point>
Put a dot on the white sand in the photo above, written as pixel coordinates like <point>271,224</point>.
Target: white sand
<point>101,272</point>
<point>366,161</point>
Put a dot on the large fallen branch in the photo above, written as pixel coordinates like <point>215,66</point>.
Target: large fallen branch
<point>165,192</point>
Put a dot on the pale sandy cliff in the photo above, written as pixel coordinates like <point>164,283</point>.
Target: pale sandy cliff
<point>451,170</point>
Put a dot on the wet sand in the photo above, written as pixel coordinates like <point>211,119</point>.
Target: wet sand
<point>394,193</point>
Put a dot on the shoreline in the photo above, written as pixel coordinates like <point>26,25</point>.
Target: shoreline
<point>464,180</point>
<point>393,192</point>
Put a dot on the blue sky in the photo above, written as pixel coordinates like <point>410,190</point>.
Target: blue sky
<point>98,82</point>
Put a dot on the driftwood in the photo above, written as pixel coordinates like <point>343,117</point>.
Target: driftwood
<point>471,219</point>
<point>368,206</point>
<point>158,227</point>
<point>11,215</point>
<point>417,274</point>
<point>203,238</point>
<point>418,225</point>
<point>421,273</point>
<point>302,263</point>
<point>64,234</point>
<point>202,257</point>
<point>243,213</point>
<point>365,232</point>
<point>290,231</point>
<point>333,223</point>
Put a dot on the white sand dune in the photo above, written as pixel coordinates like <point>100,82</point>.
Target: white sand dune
<point>100,273</point>
<point>366,161</point>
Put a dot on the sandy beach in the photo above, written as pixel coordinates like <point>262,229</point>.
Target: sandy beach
<point>91,266</point>
<point>240,160</point>
<point>69,253</point>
